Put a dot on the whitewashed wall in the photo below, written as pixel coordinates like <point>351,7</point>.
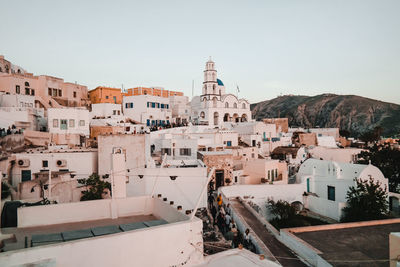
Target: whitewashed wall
<point>184,191</point>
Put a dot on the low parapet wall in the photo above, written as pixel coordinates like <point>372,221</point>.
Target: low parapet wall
<point>83,211</point>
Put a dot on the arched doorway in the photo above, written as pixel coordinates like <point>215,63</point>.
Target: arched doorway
<point>244,118</point>
<point>226,117</point>
<point>216,116</point>
<point>235,117</point>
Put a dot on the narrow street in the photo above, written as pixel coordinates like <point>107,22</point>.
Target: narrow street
<point>282,253</point>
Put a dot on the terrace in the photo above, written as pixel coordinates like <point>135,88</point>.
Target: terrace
<point>126,227</point>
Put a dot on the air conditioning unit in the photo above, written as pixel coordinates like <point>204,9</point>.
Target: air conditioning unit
<point>61,163</point>
<point>23,162</point>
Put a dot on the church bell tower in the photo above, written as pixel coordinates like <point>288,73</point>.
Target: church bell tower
<point>210,85</point>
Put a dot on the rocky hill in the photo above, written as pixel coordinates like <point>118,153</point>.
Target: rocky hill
<point>350,112</point>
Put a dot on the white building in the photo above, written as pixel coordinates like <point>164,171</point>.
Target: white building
<point>180,181</point>
<point>16,100</point>
<point>259,134</point>
<point>106,110</point>
<point>177,147</point>
<point>68,121</point>
<point>180,108</point>
<point>134,147</point>
<point>327,183</point>
<point>81,162</point>
<point>148,109</point>
<point>262,171</point>
<point>140,231</point>
<point>214,106</point>
<point>19,110</point>
<point>349,155</point>
<point>25,118</point>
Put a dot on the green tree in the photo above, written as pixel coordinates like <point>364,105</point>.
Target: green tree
<point>387,159</point>
<point>372,136</point>
<point>281,209</point>
<point>367,200</point>
<point>5,190</point>
<point>344,133</point>
<point>96,187</point>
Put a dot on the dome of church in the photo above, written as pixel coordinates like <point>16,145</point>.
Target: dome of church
<point>220,82</point>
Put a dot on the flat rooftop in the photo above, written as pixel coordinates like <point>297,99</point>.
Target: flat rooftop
<point>50,234</point>
<point>352,245</point>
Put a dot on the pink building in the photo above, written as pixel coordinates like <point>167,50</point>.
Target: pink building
<point>49,92</point>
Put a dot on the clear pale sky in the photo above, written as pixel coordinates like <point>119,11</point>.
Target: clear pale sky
<point>266,47</point>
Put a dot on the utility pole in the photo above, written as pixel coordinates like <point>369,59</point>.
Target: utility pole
<point>49,163</point>
<point>192,88</point>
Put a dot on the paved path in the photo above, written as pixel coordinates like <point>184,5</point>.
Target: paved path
<point>282,253</point>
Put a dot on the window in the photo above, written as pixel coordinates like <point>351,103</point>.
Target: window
<point>185,152</point>
<point>331,193</point>
<point>119,112</point>
<point>45,163</point>
<point>63,125</point>
<point>32,91</point>
<point>115,99</point>
<point>131,105</point>
<point>49,91</point>
<point>243,105</point>
<point>54,92</point>
<point>126,105</point>
<point>114,112</point>
<point>74,94</point>
<point>26,175</point>
<point>55,123</point>
<point>26,84</point>
<point>153,104</point>
<point>148,104</point>
<point>27,91</point>
<point>59,92</point>
<point>71,123</point>
<point>106,96</point>
<point>17,89</point>
<point>81,123</point>
<point>269,174</point>
<point>162,105</point>
<point>166,151</point>
<point>226,105</point>
<point>234,105</point>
